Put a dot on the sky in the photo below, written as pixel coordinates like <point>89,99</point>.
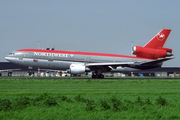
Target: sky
<point>102,26</point>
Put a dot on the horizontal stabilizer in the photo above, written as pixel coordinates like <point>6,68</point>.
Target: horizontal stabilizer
<point>155,62</point>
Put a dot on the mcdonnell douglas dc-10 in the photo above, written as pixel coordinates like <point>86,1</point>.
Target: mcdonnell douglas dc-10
<point>152,55</point>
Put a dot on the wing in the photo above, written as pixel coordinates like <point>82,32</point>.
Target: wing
<point>108,66</point>
<point>156,62</point>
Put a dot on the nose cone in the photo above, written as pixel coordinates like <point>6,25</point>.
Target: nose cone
<point>7,58</point>
<point>10,59</point>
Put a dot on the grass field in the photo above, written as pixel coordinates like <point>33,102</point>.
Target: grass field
<point>89,99</point>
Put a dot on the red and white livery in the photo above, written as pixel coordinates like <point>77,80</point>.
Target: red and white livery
<point>152,55</point>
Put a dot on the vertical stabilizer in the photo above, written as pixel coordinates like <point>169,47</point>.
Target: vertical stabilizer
<point>159,39</point>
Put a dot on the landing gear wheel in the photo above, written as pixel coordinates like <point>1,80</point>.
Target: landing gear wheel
<point>98,76</point>
<point>93,76</point>
<point>101,76</point>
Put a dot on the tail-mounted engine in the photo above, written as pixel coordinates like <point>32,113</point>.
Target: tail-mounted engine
<point>152,53</point>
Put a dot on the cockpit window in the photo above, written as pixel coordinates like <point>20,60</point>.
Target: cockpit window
<point>11,53</point>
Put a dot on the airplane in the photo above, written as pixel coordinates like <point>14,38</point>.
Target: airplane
<point>151,55</point>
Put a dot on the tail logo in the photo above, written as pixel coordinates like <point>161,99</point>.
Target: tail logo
<point>160,36</point>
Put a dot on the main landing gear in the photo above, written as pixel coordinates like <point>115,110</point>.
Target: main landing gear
<point>101,76</point>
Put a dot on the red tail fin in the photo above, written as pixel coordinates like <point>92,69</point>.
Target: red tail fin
<point>154,48</point>
<point>159,40</point>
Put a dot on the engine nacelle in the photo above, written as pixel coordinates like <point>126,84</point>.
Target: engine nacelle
<point>77,69</point>
<point>152,53</point>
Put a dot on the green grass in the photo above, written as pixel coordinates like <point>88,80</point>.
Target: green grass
<point>89,99</point>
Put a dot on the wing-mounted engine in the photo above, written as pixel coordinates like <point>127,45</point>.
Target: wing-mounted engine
<point>77,69</point>
<point>152,53</point>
